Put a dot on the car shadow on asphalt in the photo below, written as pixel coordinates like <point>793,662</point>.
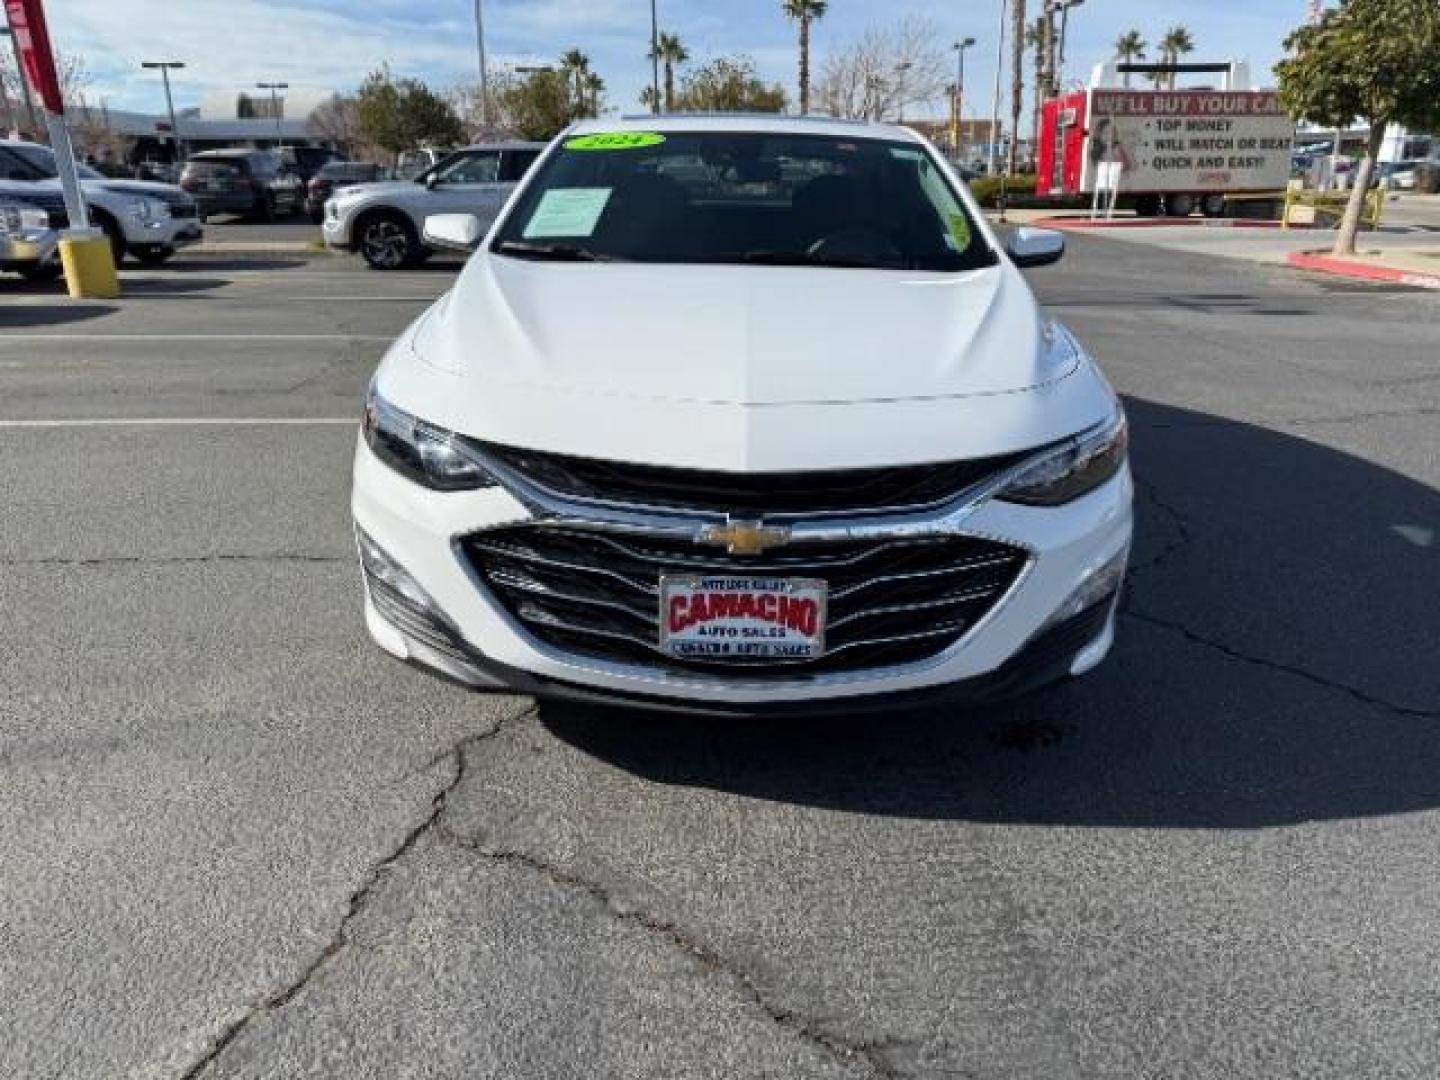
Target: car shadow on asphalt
<point>1275,664</point>
<point>17,317</point>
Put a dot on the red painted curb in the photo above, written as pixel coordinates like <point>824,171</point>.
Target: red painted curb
<point>1328,264</point>
<point>1159,223</point>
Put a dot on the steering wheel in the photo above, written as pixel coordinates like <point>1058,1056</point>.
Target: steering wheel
<point>856,242</point>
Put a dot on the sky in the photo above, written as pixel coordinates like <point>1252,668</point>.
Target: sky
<point>231,44</point>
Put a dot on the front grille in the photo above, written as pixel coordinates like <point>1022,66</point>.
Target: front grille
<point>598,594</point>
<point>844,491</point>
<point>52,202</point>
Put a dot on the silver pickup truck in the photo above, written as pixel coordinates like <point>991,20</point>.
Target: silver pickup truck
<point>384,222</point>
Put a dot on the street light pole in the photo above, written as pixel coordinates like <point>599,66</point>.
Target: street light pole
<point>275,88</point>
<point>165,66</point>
<point>995,106</point>
<point>654,57</point>
<point>24,85</point>
<point>1065,6</point>
<point>900,70</point>
<point>484,68</point>
<point>960,47</point>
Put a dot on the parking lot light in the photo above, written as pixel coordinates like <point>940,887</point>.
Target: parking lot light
<point>275,88</point>
<point>165,66</point>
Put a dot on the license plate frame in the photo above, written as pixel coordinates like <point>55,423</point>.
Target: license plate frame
<point>724,627</point>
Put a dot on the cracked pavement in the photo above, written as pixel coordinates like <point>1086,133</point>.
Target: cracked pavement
<point>241,843</point>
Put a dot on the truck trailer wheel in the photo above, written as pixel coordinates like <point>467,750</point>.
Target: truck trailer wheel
<point>1147,205</point>
<point>1213,206</point>
<point>1179,205</point>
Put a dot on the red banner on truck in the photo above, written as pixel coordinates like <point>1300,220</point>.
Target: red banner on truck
<point>27,23</point>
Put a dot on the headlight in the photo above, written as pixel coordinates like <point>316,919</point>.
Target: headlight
<point>18,219</point>
<point>1074,468</point>
<point>429,455</point>
<point>148,210</point>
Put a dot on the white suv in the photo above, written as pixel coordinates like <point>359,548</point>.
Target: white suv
<point>383,221</point>
<point>146,220</point>
<point>743,415</point>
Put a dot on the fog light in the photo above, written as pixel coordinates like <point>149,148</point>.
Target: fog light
<point>1102,582</point>
<point>382,568</point>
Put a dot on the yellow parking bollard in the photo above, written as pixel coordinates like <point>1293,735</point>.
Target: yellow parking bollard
<point>89,265</point>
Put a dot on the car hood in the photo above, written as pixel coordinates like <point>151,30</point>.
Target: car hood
<point>736,335</point>
<point>744,368</point>
<point>142,188</point>
<point>379,188</point>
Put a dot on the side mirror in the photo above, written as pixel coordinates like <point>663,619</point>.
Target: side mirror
<point>431,179</point>
<point>1035,247</point>
<point>455,232</point>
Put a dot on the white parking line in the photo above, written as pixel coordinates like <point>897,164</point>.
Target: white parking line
<point>190,421</point>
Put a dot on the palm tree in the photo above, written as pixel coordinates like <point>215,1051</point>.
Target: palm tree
<point>576,65</point>
<point>594,88</point>
<point>1035,39</point>
<point>1175,44</point>
<point>672,54</point>
<point>1129,47</point>
<point>1017,79</point>
<point>804,12</point>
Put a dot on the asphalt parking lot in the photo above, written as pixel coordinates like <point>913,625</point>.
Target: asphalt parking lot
<point>241,842</point>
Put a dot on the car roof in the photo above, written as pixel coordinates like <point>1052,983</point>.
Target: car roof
<point>750,122</point>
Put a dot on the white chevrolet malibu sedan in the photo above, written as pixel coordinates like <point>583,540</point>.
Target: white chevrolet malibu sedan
<point>743,415</point>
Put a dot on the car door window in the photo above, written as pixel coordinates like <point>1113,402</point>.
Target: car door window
<point>481,168</point>
<point>516,164</point>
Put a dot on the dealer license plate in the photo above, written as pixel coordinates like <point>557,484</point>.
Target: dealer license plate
<point>742,618</point>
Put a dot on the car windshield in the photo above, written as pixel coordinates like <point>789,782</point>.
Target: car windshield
<point>739,197</point>
<point>35,163</point>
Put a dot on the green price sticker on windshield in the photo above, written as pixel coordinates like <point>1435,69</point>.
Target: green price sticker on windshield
<point>615,140</point>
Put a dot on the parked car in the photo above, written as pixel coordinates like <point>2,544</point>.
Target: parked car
<point>383,221</point>
<point>1398,175</point>
<point>249,182</point>
<point>29,244</point>
<point>333,175</point>
<point>786,432</point>
<point>147,220</point>
<point>306,161</point>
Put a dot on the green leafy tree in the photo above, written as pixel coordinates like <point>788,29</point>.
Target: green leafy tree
<point>729,84</point>
<point>672,53</point>
<point>1129,47</point>
<point>399,114</point>
<point>1377,61</point>
<point>1176,43</point>
<point>542,103</point>
<point>805,12</point>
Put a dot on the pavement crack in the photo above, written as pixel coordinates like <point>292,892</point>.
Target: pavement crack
<point>357,900</point>
<point>167,560</point>
<point>1316,679</point>
<point>869,1053</point>
<point>1183,537</point>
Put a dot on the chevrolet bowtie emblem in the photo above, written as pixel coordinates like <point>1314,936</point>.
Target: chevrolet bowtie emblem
<point>744,537</point>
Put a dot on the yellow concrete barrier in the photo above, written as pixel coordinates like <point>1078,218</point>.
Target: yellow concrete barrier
<point>89,265</point>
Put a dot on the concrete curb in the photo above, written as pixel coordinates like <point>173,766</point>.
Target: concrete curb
<point>257,247</point>
<point>1321,263</point>
<point>1063,223</point>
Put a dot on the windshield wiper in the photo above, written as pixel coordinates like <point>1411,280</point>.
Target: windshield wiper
<point>522,249</point>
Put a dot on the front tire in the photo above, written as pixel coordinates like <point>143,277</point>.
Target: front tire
<point>116,238</point>
<point>387,241</point>
<point>1213,206</point>
<point>43,272</point>
<point>1180,206</point>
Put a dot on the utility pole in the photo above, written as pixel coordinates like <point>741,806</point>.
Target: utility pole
<point>654,57</point>
<point>165,66</point>
<point>995,107</point>
<point>275,88</point>
<point>484,67</point>
<point>960,47</point>
<point>24,86</point>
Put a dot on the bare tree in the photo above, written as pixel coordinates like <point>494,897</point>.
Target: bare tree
<point>75,80</point>
<point>337,121</point>
<point>868,79</point>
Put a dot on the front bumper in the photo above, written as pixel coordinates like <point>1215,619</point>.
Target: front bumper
<point>336,233</point>
<point>21,251</point>
<point>482,646</point>
<point>164,233</point>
